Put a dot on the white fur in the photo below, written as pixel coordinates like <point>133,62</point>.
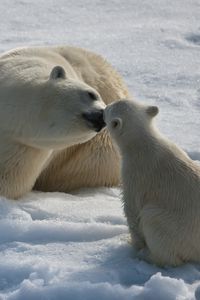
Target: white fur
<point>41,110</point>
<point>161,186</point>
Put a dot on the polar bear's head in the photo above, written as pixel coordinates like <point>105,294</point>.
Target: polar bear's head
<point>128,121</point>
<point>50,112</point>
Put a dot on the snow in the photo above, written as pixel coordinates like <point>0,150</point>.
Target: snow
<point>62,246</point>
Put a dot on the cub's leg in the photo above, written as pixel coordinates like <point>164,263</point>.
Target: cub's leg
<point>164,240</point>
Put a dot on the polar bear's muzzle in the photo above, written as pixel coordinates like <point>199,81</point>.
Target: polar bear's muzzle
<point>95,119</point>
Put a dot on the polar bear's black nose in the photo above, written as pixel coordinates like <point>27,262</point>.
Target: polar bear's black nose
<point>95,119</point>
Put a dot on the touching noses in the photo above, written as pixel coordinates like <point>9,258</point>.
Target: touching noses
<point>95,119</point>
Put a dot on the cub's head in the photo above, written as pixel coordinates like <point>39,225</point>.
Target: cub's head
<point>49,110</point>
<point>128,121</point>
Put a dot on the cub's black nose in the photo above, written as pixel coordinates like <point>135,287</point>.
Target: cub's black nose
<point>95,119</point>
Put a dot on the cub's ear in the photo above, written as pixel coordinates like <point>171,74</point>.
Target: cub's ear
<point>116,123</point>
<point>58,73</point>
<point>152,111</point>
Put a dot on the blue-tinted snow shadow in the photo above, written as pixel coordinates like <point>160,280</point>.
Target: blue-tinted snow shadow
<point>121,266</point>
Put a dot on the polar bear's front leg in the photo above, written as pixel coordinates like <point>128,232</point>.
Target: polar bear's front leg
<point>20,166</point>
<point>133,221</point>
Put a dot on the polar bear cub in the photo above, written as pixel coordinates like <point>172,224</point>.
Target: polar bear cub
<point>161,186</point>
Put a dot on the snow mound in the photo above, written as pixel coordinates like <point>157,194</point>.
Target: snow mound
<point>61,246</point>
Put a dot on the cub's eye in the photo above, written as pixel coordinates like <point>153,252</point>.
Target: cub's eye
<point>93,96</point>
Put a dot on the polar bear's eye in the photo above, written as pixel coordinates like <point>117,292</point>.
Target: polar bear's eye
<point>92,96</point>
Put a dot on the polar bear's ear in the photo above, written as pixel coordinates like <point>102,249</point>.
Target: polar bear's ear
<point>152,111</point>
<point>58,73</point>
<point>116,123</point>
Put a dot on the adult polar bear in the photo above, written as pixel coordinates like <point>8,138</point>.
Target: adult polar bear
<point>31,95</point>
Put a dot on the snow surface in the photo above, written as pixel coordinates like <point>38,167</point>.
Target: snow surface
<point>61,246</point>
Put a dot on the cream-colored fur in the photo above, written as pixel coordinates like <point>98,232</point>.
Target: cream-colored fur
<point>95,163</point>
<point>43,134</point>
<point>161,186</point>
